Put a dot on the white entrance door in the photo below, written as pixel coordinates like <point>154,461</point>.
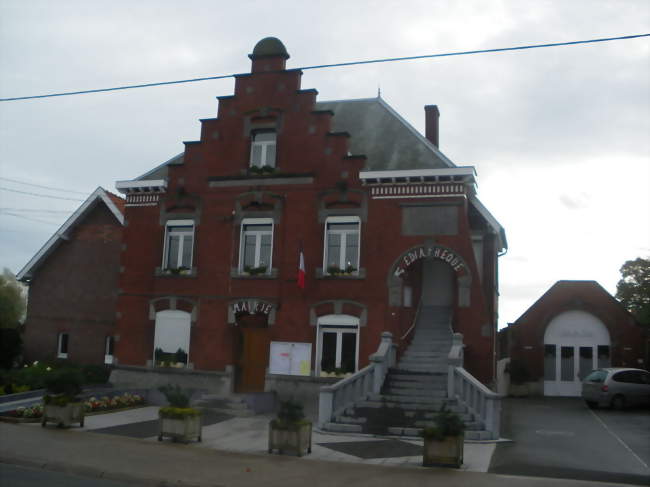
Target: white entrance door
<point>575,342</point>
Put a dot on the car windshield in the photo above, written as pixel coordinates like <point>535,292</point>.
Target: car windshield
<point>596,376</point>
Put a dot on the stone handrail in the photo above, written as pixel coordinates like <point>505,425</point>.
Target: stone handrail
<point>483,403</point>
<point>335,398</point>
<point>415,320</point>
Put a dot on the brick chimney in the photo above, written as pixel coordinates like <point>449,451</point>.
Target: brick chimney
<point>431,119</point>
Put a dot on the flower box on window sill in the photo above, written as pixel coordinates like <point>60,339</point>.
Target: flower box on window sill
<point>340,274</point>
<point>262,171</point>
<point>176,272</point>
<point>237,274</point>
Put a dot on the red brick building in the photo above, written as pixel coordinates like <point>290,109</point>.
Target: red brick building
<point>385,221</point>
<point>73,282</point>
<point>576,326</point>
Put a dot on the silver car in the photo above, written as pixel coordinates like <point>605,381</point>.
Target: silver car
<point>616,387</point>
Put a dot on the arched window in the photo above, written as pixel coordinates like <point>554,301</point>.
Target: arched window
<point>337,344</point>
<point>263,143</point>
<point>172,337</point>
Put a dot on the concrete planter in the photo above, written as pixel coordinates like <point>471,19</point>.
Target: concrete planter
<point>295,441</point>
<point>180,429</point>
<point>63,416</point>
<point>443,453</point>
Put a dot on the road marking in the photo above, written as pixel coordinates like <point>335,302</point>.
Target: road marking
<point>619,440</point>
<point>554,433</point>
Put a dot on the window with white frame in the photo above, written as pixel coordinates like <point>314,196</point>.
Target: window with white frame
<point>263,144</point>
<point>62,346</point>
<point>256,246</point>
<point>338,344</point>
<point>172,337</point>
<point>109,343</point>
<point>342,237</point>
<point>179,244</point>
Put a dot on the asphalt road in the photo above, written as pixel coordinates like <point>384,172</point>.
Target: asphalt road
<point>562,438</point>
<point>17,476</point>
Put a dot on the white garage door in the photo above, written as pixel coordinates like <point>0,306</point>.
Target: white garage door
<point>575,342</point>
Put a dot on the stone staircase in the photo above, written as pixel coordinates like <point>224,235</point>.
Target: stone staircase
<point>415,390</point>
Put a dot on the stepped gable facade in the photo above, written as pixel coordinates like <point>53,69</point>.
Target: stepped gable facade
<point>73,282</point>
<point>214,238</point>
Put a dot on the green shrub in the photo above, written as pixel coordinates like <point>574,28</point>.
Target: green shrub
<point>178,413</point>
<point>59,400</point>
<point>290,416</point>
<point>175,396</point>
<point>66,381</point>
<point>446,423</point>
<point>95,374</point>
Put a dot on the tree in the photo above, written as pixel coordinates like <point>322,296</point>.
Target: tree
<point>12,301</point>
<point>633,290</point>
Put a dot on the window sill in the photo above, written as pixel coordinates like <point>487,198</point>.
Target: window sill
<point>236,274</point>
<point>160,272</point>
<point>360,274</point>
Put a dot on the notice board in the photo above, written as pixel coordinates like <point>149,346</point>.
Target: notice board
<point>290,358</point>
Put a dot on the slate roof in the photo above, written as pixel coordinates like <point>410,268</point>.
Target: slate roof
<point>389,142</point>
<point>377,131</point>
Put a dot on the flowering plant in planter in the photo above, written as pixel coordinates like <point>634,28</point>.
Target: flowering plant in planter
<point>255,271</point>
<point>443,441</point>
<point>290,431</point>
<point>335,270</point>
<point>178,421</point>
<point>62,406</point>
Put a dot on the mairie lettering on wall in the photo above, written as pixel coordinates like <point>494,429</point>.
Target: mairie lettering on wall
<point>430,252</point>
<point>252,307</point>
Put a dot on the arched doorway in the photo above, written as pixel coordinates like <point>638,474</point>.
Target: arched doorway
<point>438,283</point>
<point>575,342</point>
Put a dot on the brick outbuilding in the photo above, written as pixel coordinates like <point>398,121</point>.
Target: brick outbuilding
<point>576,326</point>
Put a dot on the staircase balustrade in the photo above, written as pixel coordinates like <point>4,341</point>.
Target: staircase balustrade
<point>483,403</point>
<point>335,398</point>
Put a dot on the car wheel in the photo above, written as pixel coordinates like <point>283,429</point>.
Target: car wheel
<point>618,402</point>
<point>592,404</point>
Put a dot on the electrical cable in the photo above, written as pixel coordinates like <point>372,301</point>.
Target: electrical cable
<point>43,187</point>
<point>33,210</point>
<point>40,195</point>
<point>334,65</point>
<point>30,219</point>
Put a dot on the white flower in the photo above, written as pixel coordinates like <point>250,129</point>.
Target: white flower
<point>48,369</point>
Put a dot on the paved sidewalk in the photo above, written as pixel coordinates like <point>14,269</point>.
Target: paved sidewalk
<point>250,435</point>
<point>150,462</point>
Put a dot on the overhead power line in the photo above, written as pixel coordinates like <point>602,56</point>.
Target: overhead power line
<point>29,218</point>
<point>40,195</point>
<point>32,210</point>
<point>335,65</point>
<point>41,186</point>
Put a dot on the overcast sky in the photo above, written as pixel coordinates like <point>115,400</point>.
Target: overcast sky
<point>559,136</point>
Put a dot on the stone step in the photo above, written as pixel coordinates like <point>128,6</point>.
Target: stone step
<point>394,373</point>
<point>424,360</point>
<point>430,406</point>
<point>403,398</point>
<point>412,392</point>
<point>418,368</point>
<point>425,355</point>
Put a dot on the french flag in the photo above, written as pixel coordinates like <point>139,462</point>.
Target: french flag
<point>301,270</point>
